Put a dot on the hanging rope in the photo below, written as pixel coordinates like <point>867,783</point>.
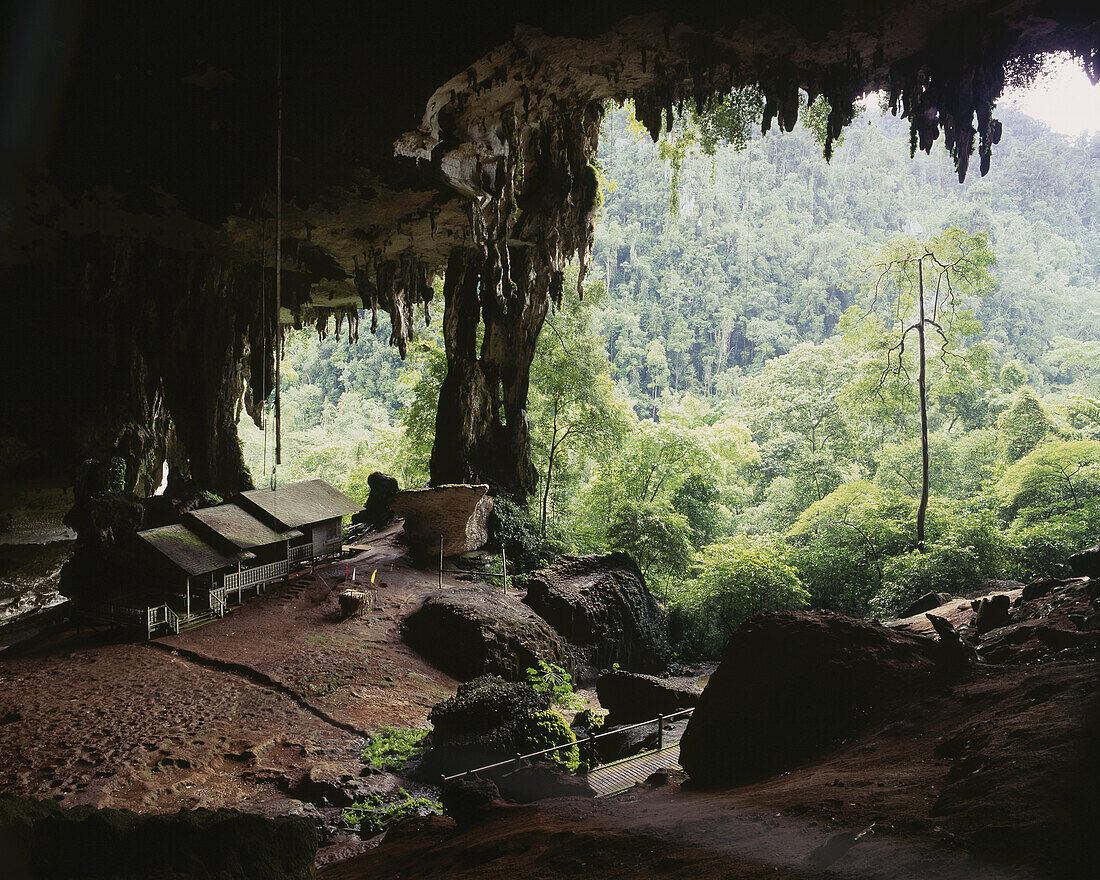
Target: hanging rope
<point>266,329</point>
<point>278,238</point>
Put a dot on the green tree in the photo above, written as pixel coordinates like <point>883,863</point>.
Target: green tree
<point>736,578</point>
<point>573,404</point>
<point>957,264</point>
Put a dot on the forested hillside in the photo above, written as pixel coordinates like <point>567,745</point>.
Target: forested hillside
<point>765,250</point>
<point>736,401</point>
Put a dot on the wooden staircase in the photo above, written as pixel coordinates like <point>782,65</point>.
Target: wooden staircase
<point>197,620</point>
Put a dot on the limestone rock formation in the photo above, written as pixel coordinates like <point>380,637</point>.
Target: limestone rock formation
<point>48,841</point>
<point>475,630</point>
<point>630,697</point>
<point>1086,563</point>
<point>477,158</point>
<point>376,513</point>
<point>482,723</point>
<point>600,605</point>
<point>791,684</point>
<point>927,602</point>
<point>457,513</point>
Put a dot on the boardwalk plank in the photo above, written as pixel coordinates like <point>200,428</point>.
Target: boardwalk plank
<point>614,778</point>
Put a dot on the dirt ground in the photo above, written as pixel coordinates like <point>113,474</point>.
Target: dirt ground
<point>228,715</point>
<point>995,778</point>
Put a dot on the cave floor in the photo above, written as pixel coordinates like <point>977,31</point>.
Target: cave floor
<point>232,714</point>
<point>995,777</point>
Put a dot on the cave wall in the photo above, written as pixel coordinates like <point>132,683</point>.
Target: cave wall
<point>137,232</point>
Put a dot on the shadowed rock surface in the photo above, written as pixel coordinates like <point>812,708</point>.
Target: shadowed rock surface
<point>376,512</point>
<point>601,606</point>
<point>629,697</point>
<point>476,630</point>
<point>39,839</point>
<point>790,684</point>
<point>457,513</point>
<point>481,724</point>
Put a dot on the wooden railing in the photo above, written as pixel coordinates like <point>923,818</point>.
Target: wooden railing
<point>255,577</point>
<point>217,600</point>
<point>158,615</point>
<point>303,552</point>
<point>587,745</point>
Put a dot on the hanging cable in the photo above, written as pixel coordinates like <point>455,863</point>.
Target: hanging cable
<point>265,345</point>
<point>278,236</point>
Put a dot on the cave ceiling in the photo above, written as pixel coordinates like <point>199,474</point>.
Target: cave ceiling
<point>406,127</point>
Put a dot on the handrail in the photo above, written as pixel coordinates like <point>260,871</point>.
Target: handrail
<point>660,719</point>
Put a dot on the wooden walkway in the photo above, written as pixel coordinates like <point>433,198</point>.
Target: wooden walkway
<point>611,779</point>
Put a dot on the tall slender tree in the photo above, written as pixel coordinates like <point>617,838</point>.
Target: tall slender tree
<point>928,285</point>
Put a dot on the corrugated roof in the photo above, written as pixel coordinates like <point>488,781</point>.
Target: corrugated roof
<point>301,504</point>
<point>238,527</point>
<point>186,549</point>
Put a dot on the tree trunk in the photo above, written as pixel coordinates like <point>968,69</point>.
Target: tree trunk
<point>923,508</point>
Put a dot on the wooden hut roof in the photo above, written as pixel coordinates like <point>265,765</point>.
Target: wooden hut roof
<point>187,550</point>
<point>237,527</point>
<point>300,504</point>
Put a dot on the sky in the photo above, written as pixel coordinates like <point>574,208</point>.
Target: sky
<point>1062,97</point>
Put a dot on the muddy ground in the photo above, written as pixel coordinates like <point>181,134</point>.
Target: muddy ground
<point>994,779</point>
<point>266,710</point>
<point>232,714</point>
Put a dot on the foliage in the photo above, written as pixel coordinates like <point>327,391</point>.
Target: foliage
<point>1023,426</point>
<point>652,533</point>
<point>377,812</point>
<point>720,385</point>
<point>518,532</point>
<point>543,730</point>
<point>736,579</point>
<point>395,747</point>
<point>1056,478</point>
<point>551,679</point>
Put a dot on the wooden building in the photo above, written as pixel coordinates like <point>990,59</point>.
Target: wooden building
<point>185,565</point>
<point>192,570</point>
<point>312,507</point>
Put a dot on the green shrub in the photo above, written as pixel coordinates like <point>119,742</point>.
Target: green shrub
<point>395,747</point>
<point>376,813</point>
<point>555,681</point>
<point>1041,549</point>
<point>518,532</point>
<point>734,580</point>
<point>546,729</point>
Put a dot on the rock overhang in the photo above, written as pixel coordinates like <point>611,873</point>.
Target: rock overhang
<point>412,133</point>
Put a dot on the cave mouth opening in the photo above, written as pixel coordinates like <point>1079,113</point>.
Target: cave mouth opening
<point>701,307</point>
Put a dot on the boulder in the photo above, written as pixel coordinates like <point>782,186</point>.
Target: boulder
<point>625,740</point>
<point>487,711</point>
<point>790,685</point>
<point>1086,563</point>
<point>629,697</point>
<point>540,782</point>
<point>471,799</point>
<point>484,722</point>
<point>600,605</point>
<point>327,784</point>
<point>622,741</point>
<point>40,839</point>
<point>376,513</point>
<point>456,512</point>
<point>927,602</point>
<point>991,613</point>
<point>473,630</point>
